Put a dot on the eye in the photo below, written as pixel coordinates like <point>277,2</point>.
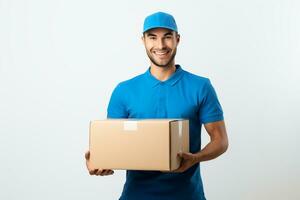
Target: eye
<point>152,38</point>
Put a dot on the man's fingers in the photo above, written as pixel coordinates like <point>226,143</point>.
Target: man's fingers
<point>180,169</point>
<point>87,155</point>
<point>104,172</point>
<point>182,166</point>
<point>110,172</point>
<point>177,170</point>
<point>107,172</point>
<point>184,155</point>
<point>93,171</point>
<point>99,172</point>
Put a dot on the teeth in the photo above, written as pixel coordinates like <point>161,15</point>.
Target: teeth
<point>161,53</point>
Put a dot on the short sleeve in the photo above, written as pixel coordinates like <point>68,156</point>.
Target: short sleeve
<point>117,106</point>
<point>210,107</point>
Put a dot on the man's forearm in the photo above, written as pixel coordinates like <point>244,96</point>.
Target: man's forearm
<point>212,150</point>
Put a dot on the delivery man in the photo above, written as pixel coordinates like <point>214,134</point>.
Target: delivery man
<point>166,90</point>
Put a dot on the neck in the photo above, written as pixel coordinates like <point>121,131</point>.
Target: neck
<point>162,73</point>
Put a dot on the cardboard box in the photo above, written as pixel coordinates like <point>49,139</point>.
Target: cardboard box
<point>146,144</point>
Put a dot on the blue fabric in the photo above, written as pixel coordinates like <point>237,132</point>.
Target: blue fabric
<point>183,95</point>
<point>160,20</point>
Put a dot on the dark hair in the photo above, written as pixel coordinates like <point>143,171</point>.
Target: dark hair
<point>176,33</point>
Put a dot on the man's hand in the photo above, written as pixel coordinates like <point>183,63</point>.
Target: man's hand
<point>97,172</point>
<point>188,160</point>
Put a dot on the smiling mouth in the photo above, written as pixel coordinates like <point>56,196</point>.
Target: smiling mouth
<point>161,53</point>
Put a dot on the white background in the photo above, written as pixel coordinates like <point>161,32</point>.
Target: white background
<point>61,59</point>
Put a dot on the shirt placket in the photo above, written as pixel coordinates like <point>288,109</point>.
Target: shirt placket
<point>162,104</point>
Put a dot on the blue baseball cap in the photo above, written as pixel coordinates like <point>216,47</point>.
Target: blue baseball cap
<point>160,20</point>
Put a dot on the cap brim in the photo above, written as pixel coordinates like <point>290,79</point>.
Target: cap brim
<point>166,27</point>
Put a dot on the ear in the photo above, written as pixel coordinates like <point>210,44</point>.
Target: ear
<point>143,39</point>
<point>178,38</point>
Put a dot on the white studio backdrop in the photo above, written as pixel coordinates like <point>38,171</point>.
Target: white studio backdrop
<point>61,59</point>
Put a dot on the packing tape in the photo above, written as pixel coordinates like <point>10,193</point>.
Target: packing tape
<point>180,135</point>
<point>130,126</point>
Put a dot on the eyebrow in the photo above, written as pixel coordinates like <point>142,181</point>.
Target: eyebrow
<point>151,34</point>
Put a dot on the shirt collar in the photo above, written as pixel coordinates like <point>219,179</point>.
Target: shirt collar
<point>172,80</point>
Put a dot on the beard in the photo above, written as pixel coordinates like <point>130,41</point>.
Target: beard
<point>165,64</point>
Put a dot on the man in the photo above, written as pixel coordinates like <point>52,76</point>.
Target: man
<point>165,90</point>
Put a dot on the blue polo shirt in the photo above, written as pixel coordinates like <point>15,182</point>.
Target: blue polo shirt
<point>183,95</point>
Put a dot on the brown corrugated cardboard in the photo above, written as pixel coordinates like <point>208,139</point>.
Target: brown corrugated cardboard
<point>147,144</point>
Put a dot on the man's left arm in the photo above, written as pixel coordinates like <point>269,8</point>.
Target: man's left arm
<point>218,145</point>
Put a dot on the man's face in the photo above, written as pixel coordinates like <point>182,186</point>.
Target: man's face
<point>161,45</point>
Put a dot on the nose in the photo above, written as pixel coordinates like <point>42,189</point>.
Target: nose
<point>160,43</point>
